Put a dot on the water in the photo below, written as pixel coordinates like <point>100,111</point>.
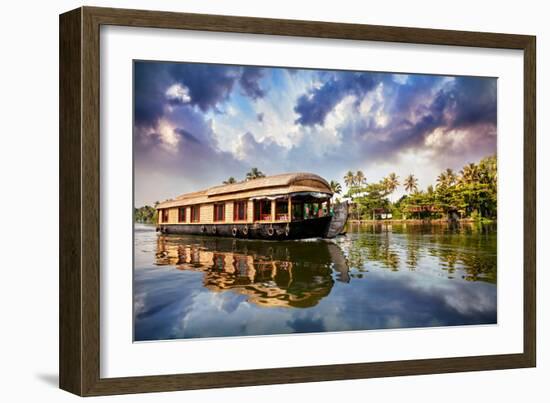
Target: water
<point>374,277</point>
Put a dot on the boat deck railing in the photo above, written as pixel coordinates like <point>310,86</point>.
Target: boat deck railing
<point>278,217</point>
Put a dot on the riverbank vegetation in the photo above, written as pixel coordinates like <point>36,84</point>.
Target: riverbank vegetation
<point>468,194</point>
<point>463,250</point>
<point>145,214</point>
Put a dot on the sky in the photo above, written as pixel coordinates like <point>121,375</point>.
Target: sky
<point>195,124</point>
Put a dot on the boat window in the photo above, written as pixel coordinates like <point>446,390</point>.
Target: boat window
<point>239,210</point>
<point>325,209</point>
<point>311,210</point>
<point>297,211</point>
<point>165,215</point>
<point>262,210</point>
<point>281,210</point>
<point>181,214</point>
<point>219,212</point>
<point>195,213</point>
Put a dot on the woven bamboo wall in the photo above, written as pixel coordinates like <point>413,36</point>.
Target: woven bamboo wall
<point>173,215</point>
<point>207,214</point>
<point>250,211</point>
<point>229,212</point>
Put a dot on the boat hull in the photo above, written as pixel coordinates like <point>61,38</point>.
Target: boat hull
<point>311,228</point>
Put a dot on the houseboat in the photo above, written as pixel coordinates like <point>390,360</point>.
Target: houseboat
<point>286,206</point>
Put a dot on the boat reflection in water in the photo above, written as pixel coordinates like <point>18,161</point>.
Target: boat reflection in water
<point>374,277</point>
<point>282,274</point>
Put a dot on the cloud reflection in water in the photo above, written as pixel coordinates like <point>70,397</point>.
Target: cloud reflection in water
<point>373,278</point>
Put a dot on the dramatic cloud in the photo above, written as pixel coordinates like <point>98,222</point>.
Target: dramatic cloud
<point>249,82</point>
<point>197,124</point>
<point>209,85</point>
<point>205,86</point>
<point>461,109</point>
<point>151,81</point>
<point>178,94</point>
<point>314,106</point>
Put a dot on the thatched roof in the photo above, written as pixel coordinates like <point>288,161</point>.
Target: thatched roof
<point>267,186</point>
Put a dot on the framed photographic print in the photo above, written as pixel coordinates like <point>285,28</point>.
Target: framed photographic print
<point>296,201</point>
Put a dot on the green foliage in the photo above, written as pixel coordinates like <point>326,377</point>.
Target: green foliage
<point>411,184</point>
<point>354,182</point>
<point>470,194</point>
<point>391,182</point>
<point>145,215</point>
<point>254,173</point>
<point>396,212</point>
<point>335,187</point>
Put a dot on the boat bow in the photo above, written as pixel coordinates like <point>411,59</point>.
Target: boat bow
<point>338,221</point>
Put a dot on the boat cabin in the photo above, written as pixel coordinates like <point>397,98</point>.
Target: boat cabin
<point>274,199</point>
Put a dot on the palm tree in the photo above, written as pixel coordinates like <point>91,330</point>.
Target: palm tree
<point>411,184</point>
<point>391,182</point>
<point>443,179</point>
<point>254,173</point>
<point>470,173</point>
<point>335,187</point>
<point>360,178</point>
<point>349,179</point>
<point>488,170</point>
<point>230,180</point>
<point>451,176</point>
<point>446,178</point>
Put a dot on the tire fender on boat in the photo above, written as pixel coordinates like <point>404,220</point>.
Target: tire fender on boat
<point>234,231</point>
<point>203,229</point>
<point>245,230</point>
<point>214,229</point>
<point>270,231</point>
<point>287,230</point>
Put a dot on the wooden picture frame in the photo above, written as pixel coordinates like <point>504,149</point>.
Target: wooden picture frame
<point>80,199</point>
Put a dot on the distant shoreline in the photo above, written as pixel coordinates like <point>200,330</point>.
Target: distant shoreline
<point>398,221</point>
<point>420,221</point>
